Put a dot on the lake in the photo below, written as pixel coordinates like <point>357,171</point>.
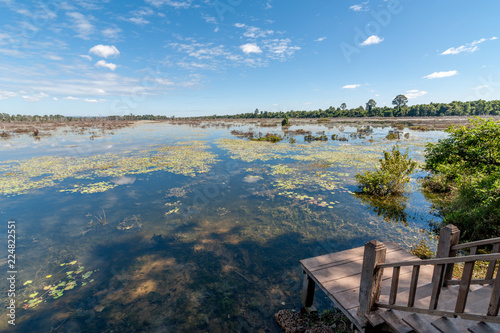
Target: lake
<point>177,228</point>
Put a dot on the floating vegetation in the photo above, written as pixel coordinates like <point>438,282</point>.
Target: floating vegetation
<point>91,188</point>
<point>185,158</point>
<point>27,282</point>
<point>129,223</point>
<point>68,282</point>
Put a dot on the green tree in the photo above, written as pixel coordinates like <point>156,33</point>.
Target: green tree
<point>400,101</point>
<point>370,105</point>
<point>343,106</point>
<point>466,167</point>
<point>391,177</point>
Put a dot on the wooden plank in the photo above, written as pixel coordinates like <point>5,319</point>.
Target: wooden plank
<point>339,258</point>
<point>495,298</point>
<point>395,322</point>
<point>417,310</point>
<point>476,243</point>
<point>445,325</point>
<point>419,324</point>
<point>482,327</point>
<point>437,283</point>
<point>477,301</point>
<point>472,282</point>
<point>492,264</point>
<point>446,261</point>
<point>413,285</point>
<point>394,285</point>
<point>463,291</point>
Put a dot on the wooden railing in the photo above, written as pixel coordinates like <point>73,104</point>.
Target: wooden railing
<point>374,264</point>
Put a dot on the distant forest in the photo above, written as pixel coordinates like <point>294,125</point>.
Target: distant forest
<point>475,108</point>
<point>400,109</point>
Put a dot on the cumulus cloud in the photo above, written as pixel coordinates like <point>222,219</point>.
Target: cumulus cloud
<point>250,48</point>
<point>372,40</point>
<point>351,86</point>
<point>438,75</point>
<point>104,51</point>
<point>410,94</point>
<point>104,64</point>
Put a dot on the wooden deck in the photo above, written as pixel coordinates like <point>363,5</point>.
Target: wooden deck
<point>339,276</point>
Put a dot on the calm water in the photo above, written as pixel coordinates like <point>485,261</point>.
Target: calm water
<point>164,228</point>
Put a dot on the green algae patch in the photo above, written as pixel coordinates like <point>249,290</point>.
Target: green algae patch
<point>184,158</point>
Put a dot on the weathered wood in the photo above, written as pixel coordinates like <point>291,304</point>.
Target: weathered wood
<point>437,283</point>
<point>419,324</point>
<point>445,261</point>
<point>463,291</point>
<point>444,325</point>
<point>417,310</point>
<point>307,298</point>
<point>449,236</point>
<point>395,322</point>
<point>482,327</point>
<point>394,285</point>
<point>492,264</point>
<point>413,285</point>
<point>476,243</point>
<point>371,276</point>
<point>495,298</point>
<point>455,282</point>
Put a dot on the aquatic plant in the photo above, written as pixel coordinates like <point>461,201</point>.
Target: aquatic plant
<point>392,175</point>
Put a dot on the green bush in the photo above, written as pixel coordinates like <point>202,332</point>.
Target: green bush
<point>465,168</point>
<point>392,176</point>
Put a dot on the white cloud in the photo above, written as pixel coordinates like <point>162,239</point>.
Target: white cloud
<point>35,98</point>
<point>91,100</point>
<point>360,8</point>
<point>320,39</point>
<point>351,86</point>
<point>250,48</point>
<point>103,63</point>
<point>7,94</point>
<point>410,94</point>
<point>493,38</point>
<point>81,25</point>
<point>71,98</point>
<point>254,32</point>
<point>176,4</point>
<point>111,33</point>
<point>54,57</point>
<point>438,75</point>
<point>372,40</point>
<point>280,48</point>
<point>84,56</point>
<point>469,47</point>
<point>104,51</point>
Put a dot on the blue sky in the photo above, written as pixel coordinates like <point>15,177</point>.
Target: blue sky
<point>189,57</point>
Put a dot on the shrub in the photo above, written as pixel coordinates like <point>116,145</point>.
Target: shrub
<point>392,176</point>
<point>285,121</point>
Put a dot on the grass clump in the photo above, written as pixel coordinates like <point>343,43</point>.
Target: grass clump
<point>422,250</point>
<point>391,177</point>
<point>269,137</point>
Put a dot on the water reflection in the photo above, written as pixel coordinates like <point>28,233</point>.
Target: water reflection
<point>216,251</point>
<point>391,208</point>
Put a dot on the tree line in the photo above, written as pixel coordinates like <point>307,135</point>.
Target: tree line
<point>400,109</point>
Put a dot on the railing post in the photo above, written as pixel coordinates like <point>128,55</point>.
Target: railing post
<point>371,276</point>
<point>448,237</point>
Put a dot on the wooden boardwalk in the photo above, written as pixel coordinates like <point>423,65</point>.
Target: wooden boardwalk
<point>406,293</point>
<point>339,276</point>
